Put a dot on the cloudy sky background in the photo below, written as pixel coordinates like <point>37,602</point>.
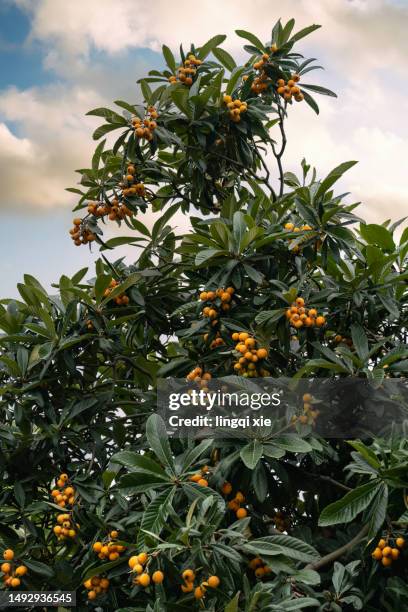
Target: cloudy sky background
<point>59,59</point>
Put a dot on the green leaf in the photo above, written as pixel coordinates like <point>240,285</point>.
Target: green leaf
<point>169,57</point>
<point>292,443</point>
<point>348,507</point>
<point>211,44</point>
<point>137,462</point>
<point>105,129</point>
<point>101,284</point>
<point>157,437</point>
<point>224,58</point>
<point>332,177</point>
<point>282,545</point>
<point>156,513</point>
<point>251,454</point>
<point>305,32</point>
<point>235,76</point>
<point>232,606</point>
<point>146,91</point>
<point>254,40</point>
<point>360,341</point>
<point>39,568</point>
<point>377,235</point>
<point>139,482</point>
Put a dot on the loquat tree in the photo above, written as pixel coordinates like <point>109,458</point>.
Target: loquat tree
<point>277,277</point>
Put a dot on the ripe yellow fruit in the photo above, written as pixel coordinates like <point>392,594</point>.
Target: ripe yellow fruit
<point>203,296</point>
<point>143,580</point>
<point>240,497</point>
<point>377,554</point>
<point>21,570</point>
<point>235,336</point>
<point>225,297</point>
<point>187,588</point>
<point>262,353</point>
<point>241,513</point>
<point>15,582</point>
<point>158,577</point>
<point>226,488</point>
<point>400,542</point>
<point>307,397</point>
<point>386,551</point>
<point>386,561</point>
<point>381,543</point>
<point>114,534</point>
<point>138,568</point>
<point>312,312</point>
<point>320,321</point>
<point>394,553</point>
<point>133,561</point>
<point>300,302</point>
<point>5,568</point>
<point>188,575</point>
<point>142,557</point>
<point>198,593</point>
<point>213,582</point>
<point>243,336</point>
<point>8,554</point>
<point>259,572</point>
<point>97,547</point>
<point>203,482</point>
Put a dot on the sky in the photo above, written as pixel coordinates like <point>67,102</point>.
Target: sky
<point>59,59</point>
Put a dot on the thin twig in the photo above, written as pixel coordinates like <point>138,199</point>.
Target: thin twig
<point>339,552</point>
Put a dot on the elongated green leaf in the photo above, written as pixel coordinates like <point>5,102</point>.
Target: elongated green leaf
<point>254,40</point>
<point>158,440</point>
<point>332,177</point>
<point>251,454</point>
<point>211,44</point>
<point>346,509</point>
<point>156,513</point>
<point>224,58</point>
<point>137,462</point>
<point>169,57</point>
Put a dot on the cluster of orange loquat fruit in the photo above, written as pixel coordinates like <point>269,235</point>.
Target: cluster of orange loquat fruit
<point>289,89</point>
<point>145,127</point>
<point>385,552</point>
<point>12,572</point>
<point>235,108</point>
<point>130,185</point>
<point>216,302</point>
<point>96,586</point>
<point>310,414</point>
<point>199,377</point>
<point>120,300</point>
<point>115,210</point>
<point>80,234</point>
<point>189,577</point>
<point>109,549</point>
<point>186,71</point>
<point>300,316</point>
<point>63,493</point>
<point>262,80</point>
<point>201,477</point>
<point>142,577</point>
<point>65,528</point>
<point>249,364</point>
<point>234,504</point>
<point>259,567</point>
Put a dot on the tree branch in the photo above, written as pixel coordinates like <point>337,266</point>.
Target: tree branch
<point>339,552</point>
